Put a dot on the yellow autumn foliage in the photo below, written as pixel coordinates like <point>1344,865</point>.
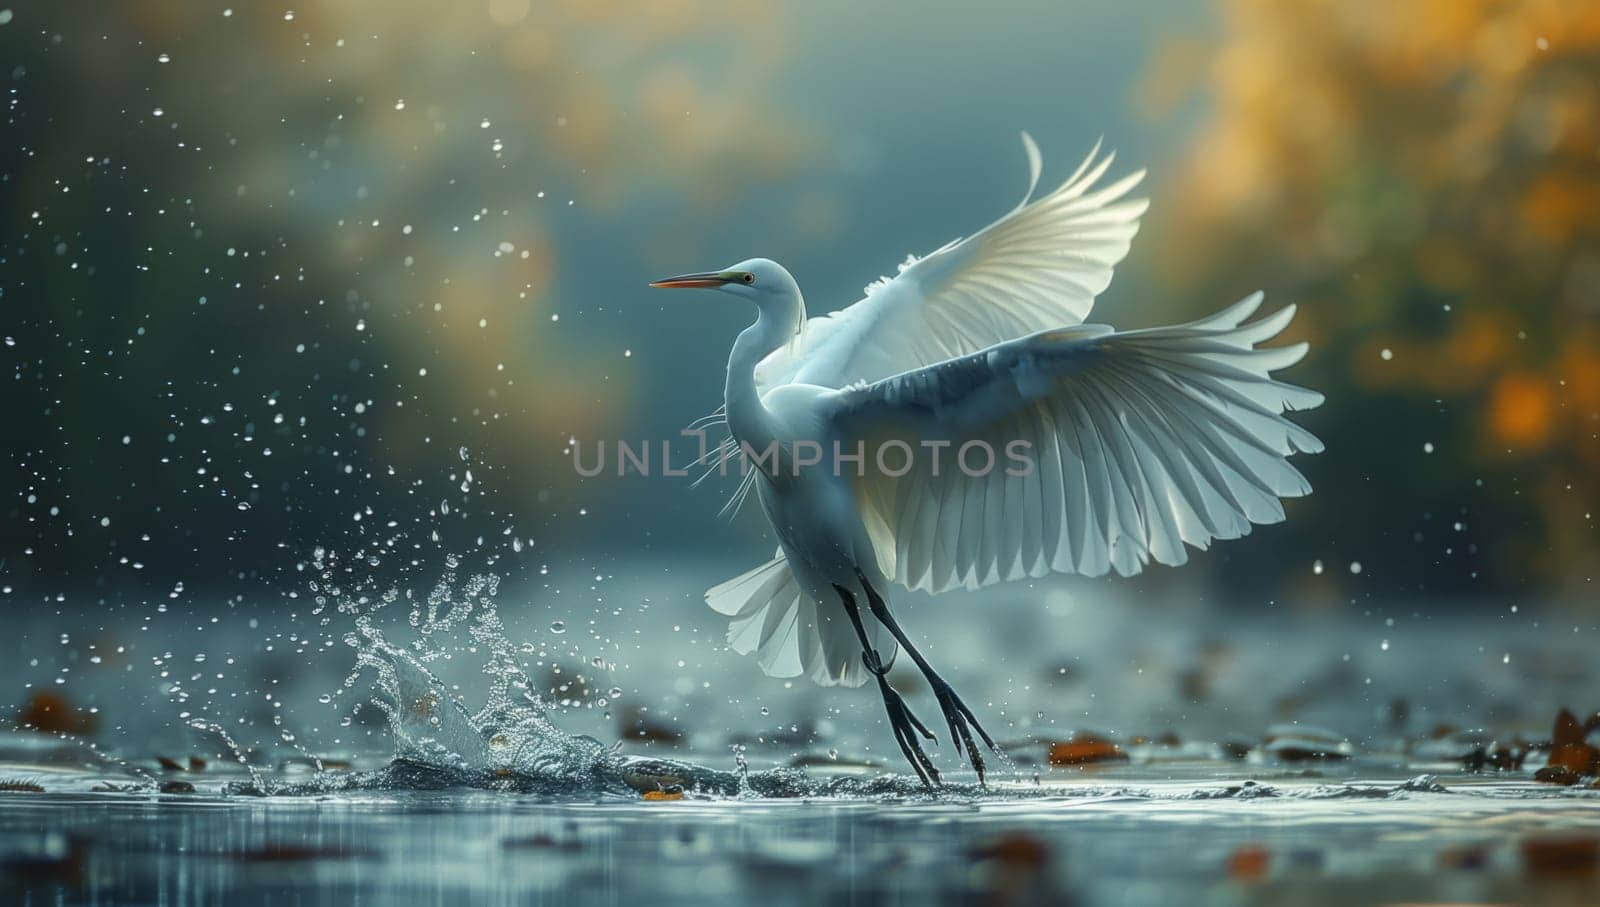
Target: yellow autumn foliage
<point>1424,178</point>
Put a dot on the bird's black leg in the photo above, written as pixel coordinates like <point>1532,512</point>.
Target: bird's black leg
<point>956,714</point>
<point>901,720</point>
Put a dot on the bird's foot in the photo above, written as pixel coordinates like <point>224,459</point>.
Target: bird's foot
<point>962,723</point>
<point>904,724</point>
<point>874,662</point>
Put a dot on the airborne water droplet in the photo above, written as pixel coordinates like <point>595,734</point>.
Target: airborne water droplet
<point>558,626</point>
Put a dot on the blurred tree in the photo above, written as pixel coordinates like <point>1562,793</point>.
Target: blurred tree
<point>1424,178</point>
<point>256,256</point>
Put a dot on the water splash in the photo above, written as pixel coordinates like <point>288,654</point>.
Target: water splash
<point>401,639</point>
<point>510,743</point>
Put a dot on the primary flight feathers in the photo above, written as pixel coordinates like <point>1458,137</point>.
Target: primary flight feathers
<point>1038,267</point>
<point>1139,442</point>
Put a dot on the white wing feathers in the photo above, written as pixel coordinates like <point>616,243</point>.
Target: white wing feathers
<point>1140,442</point>
<point>1040,266</point>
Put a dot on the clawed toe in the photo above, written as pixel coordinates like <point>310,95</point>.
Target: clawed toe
<point>905,724</point>
<point>962,723</point>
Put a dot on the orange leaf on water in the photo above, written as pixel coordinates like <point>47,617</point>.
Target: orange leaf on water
<point>1085,749</point>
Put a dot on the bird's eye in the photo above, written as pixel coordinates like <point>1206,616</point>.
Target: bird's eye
<point>748,277</point>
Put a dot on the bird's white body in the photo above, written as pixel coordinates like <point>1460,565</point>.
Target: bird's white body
<point>1139,443</point>
<point>813,511</point>
<point>818,523</point>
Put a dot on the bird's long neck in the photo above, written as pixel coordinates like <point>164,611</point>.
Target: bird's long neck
<point>748,418</point>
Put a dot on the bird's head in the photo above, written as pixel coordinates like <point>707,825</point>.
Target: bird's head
<point>782,311</point>
<point>759,280</point>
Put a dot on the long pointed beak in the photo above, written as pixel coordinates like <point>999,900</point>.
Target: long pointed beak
<point>691,281</point>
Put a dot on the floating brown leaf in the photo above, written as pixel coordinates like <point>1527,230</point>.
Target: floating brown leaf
<point>1568,749</point>
<point>1556,774</point>
<point>1578,757</point>
<point>1086,749</point>
<point>663,795</point>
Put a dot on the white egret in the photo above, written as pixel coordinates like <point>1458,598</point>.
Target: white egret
<point>1139,442</point>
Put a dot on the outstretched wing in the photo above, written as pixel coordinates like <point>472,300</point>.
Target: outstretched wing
<point>1038,267</point>
<point>1139,442</point>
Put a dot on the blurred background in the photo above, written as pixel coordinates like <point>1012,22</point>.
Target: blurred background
<point>355,274</point>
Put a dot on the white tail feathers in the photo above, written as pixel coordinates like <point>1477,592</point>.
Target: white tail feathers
<point>788,632</point>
